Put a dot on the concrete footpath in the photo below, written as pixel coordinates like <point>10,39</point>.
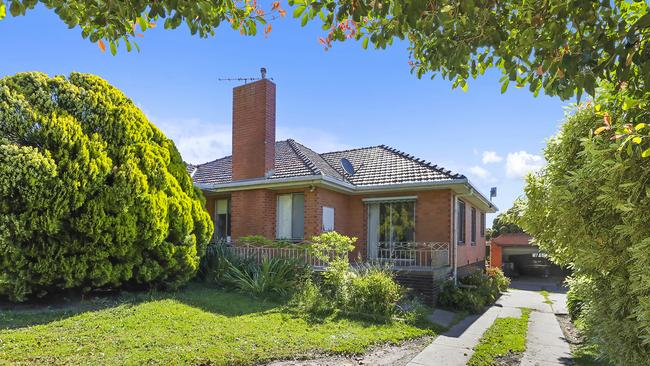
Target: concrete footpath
<point>545,343</point>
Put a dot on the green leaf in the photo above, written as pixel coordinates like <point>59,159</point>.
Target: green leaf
<point>636,140</point>
<point>365,43</point>
<point>447,8</point>
<point>143,23</point>
<point>15,8</point>
<point>113,47</point>
<point>643,22</point>
<point>645,153</point>
<point>298,11</point>
<point>3,10</point>
<point>504,86</point>
<point>305,18</point>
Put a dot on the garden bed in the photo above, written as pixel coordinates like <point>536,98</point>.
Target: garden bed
<point>198,325</point>
<point>583,353</point>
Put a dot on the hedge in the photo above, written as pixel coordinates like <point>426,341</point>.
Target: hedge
<point>92,194</point>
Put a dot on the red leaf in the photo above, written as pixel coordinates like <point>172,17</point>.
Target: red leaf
<point>101,45</point>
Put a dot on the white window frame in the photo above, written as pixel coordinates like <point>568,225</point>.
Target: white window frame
<point>291,223</point>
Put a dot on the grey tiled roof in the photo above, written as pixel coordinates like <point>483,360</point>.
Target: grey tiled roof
<point>375,166</point>
<point>380,165</point>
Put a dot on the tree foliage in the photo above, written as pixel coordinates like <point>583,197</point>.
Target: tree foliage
<point>505,223</point>
<point>588,209</point>
<point>91,194</point>
<point>563,47</point>
<point>116,21</point>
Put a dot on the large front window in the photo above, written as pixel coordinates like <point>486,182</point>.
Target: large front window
<point>397,222</point>
<point>291,216</point>
<point>391,228</point>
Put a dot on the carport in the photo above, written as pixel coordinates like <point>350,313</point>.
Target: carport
<point>515,254</point>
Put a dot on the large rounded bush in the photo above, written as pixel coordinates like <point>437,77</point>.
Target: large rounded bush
<point>92,194</point>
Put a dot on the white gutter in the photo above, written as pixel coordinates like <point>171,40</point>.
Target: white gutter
<point>342,186</point>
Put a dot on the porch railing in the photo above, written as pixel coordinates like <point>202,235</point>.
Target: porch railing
<point>258,254</point>
<point>404,255</point>
<point>413,254</point>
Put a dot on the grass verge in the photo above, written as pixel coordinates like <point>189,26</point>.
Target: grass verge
<point>198,325</point>
<point>547,299</point>
<point>504,336</point>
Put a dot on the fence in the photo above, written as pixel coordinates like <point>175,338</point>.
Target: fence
<point>403,255</point>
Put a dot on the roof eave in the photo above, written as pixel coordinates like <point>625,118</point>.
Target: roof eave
<point>337,185</point>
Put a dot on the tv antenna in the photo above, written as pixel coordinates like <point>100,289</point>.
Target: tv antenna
<point>246,80</point>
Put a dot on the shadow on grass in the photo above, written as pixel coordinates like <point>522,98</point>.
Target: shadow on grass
<point>205,297</point>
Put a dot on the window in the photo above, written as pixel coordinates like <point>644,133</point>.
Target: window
<point>482,224</point>
<point>460,224</point>
<point>328,219</point>
<point>396,222</point>
<point>473,226</point>
<point>222,219</point>
<point>291,216</point>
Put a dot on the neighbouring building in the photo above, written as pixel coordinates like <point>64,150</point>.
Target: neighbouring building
<point>517,255</point>
<point>414,215</point>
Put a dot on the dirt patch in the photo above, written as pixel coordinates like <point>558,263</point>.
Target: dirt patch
<point>569,330</point>
<point>397,355</point>
<point>511,359</point>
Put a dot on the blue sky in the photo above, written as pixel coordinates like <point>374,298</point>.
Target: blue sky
<point>342,98</point>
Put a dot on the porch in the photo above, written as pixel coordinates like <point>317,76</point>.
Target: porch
<point>396,256</point>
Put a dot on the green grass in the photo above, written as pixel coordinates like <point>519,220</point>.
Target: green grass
<point>193,326</point>
<point>504,335</point>
<point>547,299</point>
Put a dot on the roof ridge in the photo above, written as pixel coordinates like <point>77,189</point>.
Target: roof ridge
<point>320,156</point>
<point>422,162</point>
<point>305,159</point>
<point>212,161</point>
<point>355,149</point>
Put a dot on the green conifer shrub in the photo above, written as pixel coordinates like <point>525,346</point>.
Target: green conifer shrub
<point>92,194</point>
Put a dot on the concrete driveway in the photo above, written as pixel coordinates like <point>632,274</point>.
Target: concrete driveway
<point>545,343</point>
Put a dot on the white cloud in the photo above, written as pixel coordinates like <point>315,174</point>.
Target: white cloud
<point>520,163</point>
<point>198,141</point>
<point>491,157</point>
<point>313,138</point>
<point>482,174</point>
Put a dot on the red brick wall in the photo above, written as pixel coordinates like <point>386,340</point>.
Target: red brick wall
<point>469,253</point>
<point>432,217</point>
<point>495,256</point>
<point>253,130</point>
<point>253,213</point>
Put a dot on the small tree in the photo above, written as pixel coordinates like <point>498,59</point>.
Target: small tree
<point>334,249</point>
<point>91,193</point>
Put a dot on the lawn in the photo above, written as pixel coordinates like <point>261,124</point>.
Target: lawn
<point>504,336</point>
<point>198,325</point>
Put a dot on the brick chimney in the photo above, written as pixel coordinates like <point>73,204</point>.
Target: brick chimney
<point>253,129</point>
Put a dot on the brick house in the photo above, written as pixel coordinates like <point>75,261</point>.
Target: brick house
<point>400,208</point>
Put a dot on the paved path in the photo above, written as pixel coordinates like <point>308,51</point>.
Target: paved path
<point>545,344</point>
